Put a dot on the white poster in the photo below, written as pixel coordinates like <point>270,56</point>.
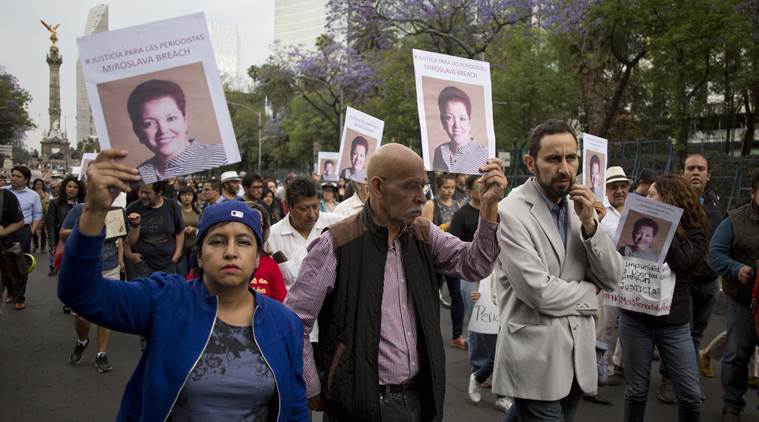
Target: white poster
<point>115,224</point>
<point>155,92</point>
<point>455,104</point>
<point>326,165</point>
<point>87,158</point>
<point>646,229</point>
<point>594,159</point>
<point>484,318</point>
<point>362,135</point>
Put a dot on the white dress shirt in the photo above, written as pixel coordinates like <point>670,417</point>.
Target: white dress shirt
<point>610,221</point>
<point>284,238</point>
<point>350,206</point>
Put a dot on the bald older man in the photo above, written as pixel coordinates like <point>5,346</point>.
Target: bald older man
<point>371,281</point>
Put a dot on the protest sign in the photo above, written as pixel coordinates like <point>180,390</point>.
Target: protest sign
<point>594,159</point>
<point>362,135</point>
<point>455,105</point>
<point>155,91</point>
<point>115,224</point>
<point>646,229</point>
<point>326,165</point>
<point>484,318</point>
<point>87,158</point>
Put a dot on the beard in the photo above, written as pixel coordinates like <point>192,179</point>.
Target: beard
<point>551,189</point>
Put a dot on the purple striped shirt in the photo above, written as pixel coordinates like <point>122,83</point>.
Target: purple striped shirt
<point>397,361</point>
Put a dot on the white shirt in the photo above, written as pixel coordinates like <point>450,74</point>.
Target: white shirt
<point>284,238</point>
<point>611,220</point>
<point>350,206</point>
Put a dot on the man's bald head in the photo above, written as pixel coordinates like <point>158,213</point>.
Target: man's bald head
<point>396,185</point>
<point>391,160</point>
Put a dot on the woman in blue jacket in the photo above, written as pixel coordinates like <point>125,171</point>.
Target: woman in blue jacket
<point>215,349</point>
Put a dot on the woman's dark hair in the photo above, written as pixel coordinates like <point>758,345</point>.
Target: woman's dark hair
<point>451,93</point>
<point>34,184</point>
<point>594,160</point>
<point>62,189</point>
<point>149,91</point>
<point>300,187</point>
<point>471,180</point>
<point>675,190</point>
<point>645,222</point>
<point>185,190</point>
<point>266,191</point>
<point>23,170</point>
<point>359,140</point>
<point>549,127</point>
<point>441,179</point>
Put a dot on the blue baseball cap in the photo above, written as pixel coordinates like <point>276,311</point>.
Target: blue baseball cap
<point>228,211</point>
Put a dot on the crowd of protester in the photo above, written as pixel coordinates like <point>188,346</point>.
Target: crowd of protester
<point>257,298</point>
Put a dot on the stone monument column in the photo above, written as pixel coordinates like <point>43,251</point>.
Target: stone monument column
<point>54,61</point>
<point>55,144</point>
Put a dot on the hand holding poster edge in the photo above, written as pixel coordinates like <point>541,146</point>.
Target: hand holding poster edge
<point>594,163</point>
<point>485,315</point>
<point>159,50</point>
<point>647,283</point>
<point>454,99</point>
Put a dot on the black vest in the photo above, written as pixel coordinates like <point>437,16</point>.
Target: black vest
<point>745,221</point>
<point>350,318</point>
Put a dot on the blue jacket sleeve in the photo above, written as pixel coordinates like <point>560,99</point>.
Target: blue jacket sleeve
<point>118,305</point>
<point>300,412</point>
<point>720,250</point>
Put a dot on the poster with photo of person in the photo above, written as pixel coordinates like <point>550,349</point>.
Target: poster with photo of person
<point>362,135</point>
<point>326,166</point>
<point>455,103</point>
<point>594,153</point>
<point>87,158</point>
<point>155,92</point>
<point>645,231</point>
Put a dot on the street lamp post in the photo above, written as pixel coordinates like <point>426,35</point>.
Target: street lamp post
<point>260,124</point>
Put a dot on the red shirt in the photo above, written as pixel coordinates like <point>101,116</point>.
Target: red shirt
<point>268,280</point>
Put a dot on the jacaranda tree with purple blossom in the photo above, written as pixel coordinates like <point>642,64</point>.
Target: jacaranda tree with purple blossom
<point>457,27</point>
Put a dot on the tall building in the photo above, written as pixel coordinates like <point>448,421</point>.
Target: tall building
<point>97,21</point>
<point>299,22</point>
<point>225,39</point>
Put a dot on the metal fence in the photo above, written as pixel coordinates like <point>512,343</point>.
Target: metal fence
<point>730,174</point>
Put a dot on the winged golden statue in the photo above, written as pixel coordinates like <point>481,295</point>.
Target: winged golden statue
<point>53,31</point>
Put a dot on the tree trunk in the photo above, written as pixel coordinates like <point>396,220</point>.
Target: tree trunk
<point>611,110</point>
<point>751,107</point>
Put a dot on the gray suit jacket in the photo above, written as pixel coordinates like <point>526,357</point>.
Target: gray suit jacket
<point>547,299</point>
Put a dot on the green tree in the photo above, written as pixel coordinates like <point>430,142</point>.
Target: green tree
<point>14,116</point>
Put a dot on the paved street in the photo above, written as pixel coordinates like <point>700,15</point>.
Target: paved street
<point>37,383</point>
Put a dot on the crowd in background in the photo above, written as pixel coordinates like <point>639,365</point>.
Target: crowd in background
<point>711,253</point>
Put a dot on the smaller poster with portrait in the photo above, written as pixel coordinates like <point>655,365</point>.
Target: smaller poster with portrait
<point>644,234</point>
<point>87,158</point>
<point>362,135</point>
<point>155,92</point>
<point>326,165</point>
<point>455,103</point>
<point>594,159</point>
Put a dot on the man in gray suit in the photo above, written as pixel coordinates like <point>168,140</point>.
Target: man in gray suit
<point>553,262</point>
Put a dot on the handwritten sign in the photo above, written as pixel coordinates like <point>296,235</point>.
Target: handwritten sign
<point>484,318</point>
<point>115,225</point>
